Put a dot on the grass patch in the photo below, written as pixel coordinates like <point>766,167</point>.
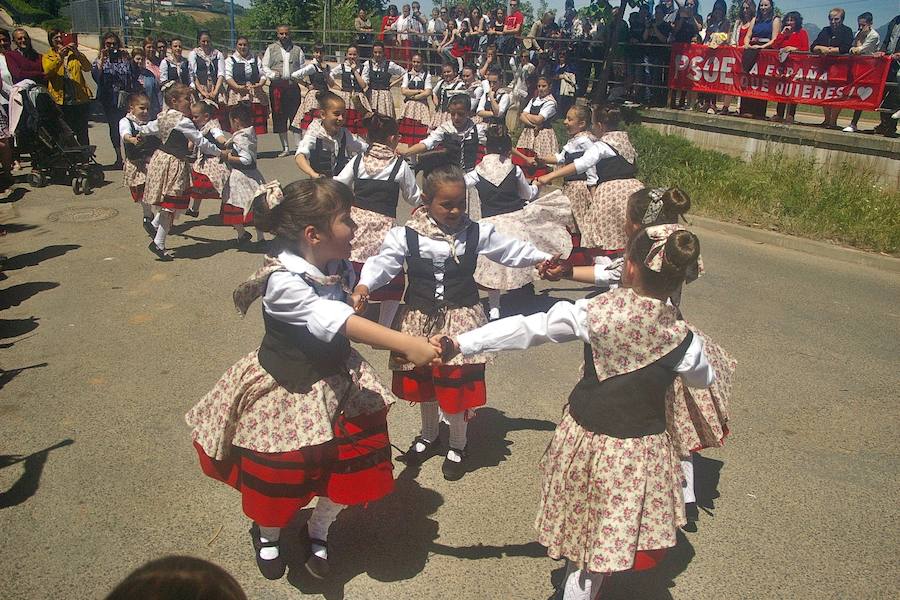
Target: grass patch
<point>788,194</point>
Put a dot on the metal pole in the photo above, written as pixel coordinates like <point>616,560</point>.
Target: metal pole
<point>231,14</point>
<point>122,35</point>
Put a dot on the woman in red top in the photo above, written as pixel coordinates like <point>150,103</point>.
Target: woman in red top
<point>388,36</point>
<point>792,38</point>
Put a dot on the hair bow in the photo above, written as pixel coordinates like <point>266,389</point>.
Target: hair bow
<point>659,235</point>
<point>273,193</point>
<point>167,85</point>
<point>655,206</point>
<point>211,103</point>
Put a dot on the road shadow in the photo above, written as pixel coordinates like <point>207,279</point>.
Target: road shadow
<point>31,259</point>
<point>707,472</point>
<point>524,301</point>
<point>7,375</point>
<point>17,227</point>
<point>27,485</point>
<point>204,248</point>
<point>656,583</point>
<point>487,443</point>
<point>16,294</point>
<point>388,540</point>
<point>11,328</point>
<point>209,220</point>
<point>13,195</point>
<point>481,551</point>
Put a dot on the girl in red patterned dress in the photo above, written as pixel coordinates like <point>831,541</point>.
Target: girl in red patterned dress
<point>319,75</point>
<point>208,174</point>
<point>611,482</point>
<point>417,115</point>
<point>538,137</point>
<point>303,416</point>
<point>137,152</point>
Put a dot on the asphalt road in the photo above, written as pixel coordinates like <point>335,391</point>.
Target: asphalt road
<point>104,350</point>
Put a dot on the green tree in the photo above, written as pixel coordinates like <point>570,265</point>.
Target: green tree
<point>181,25</point>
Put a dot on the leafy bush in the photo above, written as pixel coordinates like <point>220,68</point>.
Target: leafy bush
<point>24,13</point>
<point>61,23</point>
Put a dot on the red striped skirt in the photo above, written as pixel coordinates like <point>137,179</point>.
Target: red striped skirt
<point>175,203</point>
<point>456,388</point>
<point>202,188</point>
<point>353,121</point>
<point>392,291</point>
<point>353,468</point>
<point>530,172</point>
<point>308,118</point>
<point>260,118</point>
<point>582,256</point>
<point>234,215</point>
<point>412,131</point>
<point>137,192</point>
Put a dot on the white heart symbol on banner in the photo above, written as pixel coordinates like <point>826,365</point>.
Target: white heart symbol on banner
<point>864,92</point>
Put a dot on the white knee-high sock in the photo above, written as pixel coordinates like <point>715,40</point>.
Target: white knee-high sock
<point>162,230</point>
<point>580,584</point>
<point>687,470</point>
<point>430,422</point>
<point>269,534</point>
<point>458,427</point>
<point>296,137</point>
<point>323,515</point>
<point>387,312</point>
<point>260,235</point>
<point>148,212</point>
<point>195,204</point>
<point>494,304</point>
<point>239,229</point>
<point>156,218</point>
<point>282,137</point>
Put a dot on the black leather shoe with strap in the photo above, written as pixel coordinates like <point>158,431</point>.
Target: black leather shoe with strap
<point>270,569</point>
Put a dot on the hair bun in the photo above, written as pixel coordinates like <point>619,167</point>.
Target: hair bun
<point>676,202</point>
<point>681,253</point>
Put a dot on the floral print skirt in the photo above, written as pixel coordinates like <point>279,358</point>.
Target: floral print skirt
<point>604,224</point>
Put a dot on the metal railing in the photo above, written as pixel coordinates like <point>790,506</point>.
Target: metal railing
<point>94,16</point>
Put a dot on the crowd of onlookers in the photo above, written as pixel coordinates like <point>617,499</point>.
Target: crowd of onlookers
<point>569,51</point>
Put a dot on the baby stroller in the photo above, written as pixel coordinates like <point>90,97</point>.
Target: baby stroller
<point>55,153</point>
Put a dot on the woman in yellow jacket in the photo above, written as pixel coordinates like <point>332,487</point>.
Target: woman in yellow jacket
<point>65,67</point>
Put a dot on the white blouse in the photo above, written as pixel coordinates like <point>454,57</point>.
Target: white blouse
<point>583,143</point>
<point>247,64</point>
<point>414,76</point>
<point>216,57</point>
<point>390,66</point>
<point>354,144</point>
<point>405,177</point>
<point>592,155</point>
<point>547,106</point>
<point>290,299</point>
<point>307,70</point>
<point>504,102</point>
<point>567,322</point>
<point>189,130</point>
<point>448,129</point>
<point>526,190</point>
<point>179,67</point>
<point>388,263</point>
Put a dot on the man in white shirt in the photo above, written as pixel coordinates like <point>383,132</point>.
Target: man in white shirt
<point>281,59</point>
<point>436,28</point>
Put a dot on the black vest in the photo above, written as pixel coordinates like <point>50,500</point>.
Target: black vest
<point>177,146</point>
<point>463,152</point>
<point>322,159</point>
<point>296,359</point>
<point>459,283</point>
<point>212,139</point>
<point>318,80</point>
<point>615,167</point>
<point>536,110</point>
<point>416,84</point>
<point>571,157</point>
<point>629,405</point>
<point>185,77</point>
<point>377,195</point>
<point>348,80</point>
<point>496,120</point>
<point>499,199</point>
<point>447,95</point>
<point>379,80</point>
<point>240,75</point>
<point>207,72</point>
<point>144,150</point>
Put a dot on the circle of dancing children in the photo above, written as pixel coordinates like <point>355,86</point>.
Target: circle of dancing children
<point>137,151</point>
<point>417,113</point>
<point>500,195</point>
<point>327,146</point>
<point>380,76</point>
<point>377,178</point>
<point>329,438</point>
<point>168,175</point>
<point>460,139</point>
<point>244,177</point>
<point>245,80</point>
<point>352,91</point>
<point>538,137</point>
<point>615,161</point>
<point>319,76</point>
<point>449,86</point>
<point>611,481</point>
<point>208,173</point>
<point>440,246</point>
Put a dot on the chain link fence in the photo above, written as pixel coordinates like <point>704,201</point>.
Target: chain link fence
<point>94,16</point>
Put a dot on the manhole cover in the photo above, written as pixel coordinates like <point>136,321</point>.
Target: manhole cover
<point>82,215</point>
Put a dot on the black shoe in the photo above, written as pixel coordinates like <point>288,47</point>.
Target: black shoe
<point>244,238</point>
<point>149,228</point>
<point>192,213</point>
<point>163,255</point>
<point>270,569</point>
<point>692,513</point>
<point>413,458</point>
<point>316,565</point>
<point>453,471</point>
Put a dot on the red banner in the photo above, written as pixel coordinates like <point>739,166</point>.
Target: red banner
<point>837,81</point>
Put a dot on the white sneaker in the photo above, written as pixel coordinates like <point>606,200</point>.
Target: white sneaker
<point>494,314</point>
<point>896,115</point>
<point>850,129</point>
<point>284,153</point>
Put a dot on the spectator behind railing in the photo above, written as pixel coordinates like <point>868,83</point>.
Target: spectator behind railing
<point>792,38</point>
<point>657,34</point>
<point>836,38</point>
<point>24,61</point>
<point>515,21</point>
<point>387,34</point>
<point>766,27</point>
<point>151,58</point>
<point>865,43</point>
<point>5,134</point>
<point>65,66</point>
<point>891,100</point>
<point>365,35</point>
<point>117,77</point>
